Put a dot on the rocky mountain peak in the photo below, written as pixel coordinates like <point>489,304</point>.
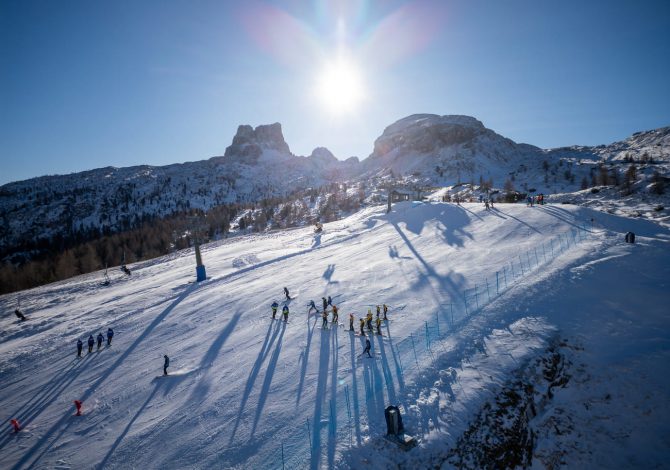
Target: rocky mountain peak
<point>423,133</point>
<point>249,143</point>
<point>323,154</point>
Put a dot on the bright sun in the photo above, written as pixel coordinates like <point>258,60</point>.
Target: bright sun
<point>339,87</point>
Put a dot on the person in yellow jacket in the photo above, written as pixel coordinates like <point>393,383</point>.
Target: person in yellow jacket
<point>386,309</point>
<point>362,327</point>
<point>369,319</point>
<point>379,326</point>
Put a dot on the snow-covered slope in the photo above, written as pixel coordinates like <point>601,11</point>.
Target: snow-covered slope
<point>476,298</point>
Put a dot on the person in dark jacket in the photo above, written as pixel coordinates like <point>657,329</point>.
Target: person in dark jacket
<point>91,342</point>
<point>324,316</point>
<point>100,339</point>
<point>80,346</point>
<point>312,305</point>
<point>166,364</point>
<point>20,315</point>
<point>288,297</point>
<point>367,347</point>
<point>274,306</point>
<point>330,301</point>
<point>325,303</point>
<point>110,335</point>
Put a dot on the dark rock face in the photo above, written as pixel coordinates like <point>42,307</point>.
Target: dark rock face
<point>249,143</point>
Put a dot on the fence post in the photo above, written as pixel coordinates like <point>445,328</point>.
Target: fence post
<point>505,275</point>
<point>544,253</point>
<point>521,264</point>
<point>437,322</point>
<point>537,262</point>
<point>415,358</point>
<point>511,266</point>
<point>427,336</point>
<point>451,307</point>
<point>465,301</point>
<point>476,297</point>
<point>497,284</point>
<point>488,294</point>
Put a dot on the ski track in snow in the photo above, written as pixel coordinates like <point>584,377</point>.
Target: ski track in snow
<point>249,385</point>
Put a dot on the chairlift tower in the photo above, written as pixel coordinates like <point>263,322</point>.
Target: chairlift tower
<point>198,226</point>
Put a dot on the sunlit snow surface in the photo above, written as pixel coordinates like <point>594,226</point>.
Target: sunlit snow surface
<point>241,385</point>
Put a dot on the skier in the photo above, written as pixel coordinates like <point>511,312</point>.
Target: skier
<point>15,425</point>
<point>378,311</point>
<point>330,301</point>
<point>386,309</point>
<point>379,326</point>
<point>80,345</point>
<point>110,335</point>
<point>77,404</point>
<point>166,364</point>
<point>312,305</point>
<point>325,303</point>
<point>100,338</point>
<point>335,314</point>
<point>324,316</point>
<point>367,348</point>
<point>288,297</point>
<point>486,204</point>
<point>91,342</point>
<point>285,312</point>
<point>362,327</point>
<point>351,322</point>
<point>20,315</point>
<point>274,306</point>
<point>369,319</point>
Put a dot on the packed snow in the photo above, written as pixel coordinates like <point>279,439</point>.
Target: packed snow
<point>479,301</point>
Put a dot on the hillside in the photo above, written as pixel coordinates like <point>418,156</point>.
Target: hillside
<point>479,301</point>
<point>420,151</point>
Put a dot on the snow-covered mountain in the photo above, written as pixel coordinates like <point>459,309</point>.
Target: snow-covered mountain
<point>419,150</point>
<point>517,337</point>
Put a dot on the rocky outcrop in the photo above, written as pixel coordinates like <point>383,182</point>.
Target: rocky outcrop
<point>249,143</point>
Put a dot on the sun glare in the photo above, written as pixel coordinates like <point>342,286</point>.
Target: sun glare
<point>340,87</point>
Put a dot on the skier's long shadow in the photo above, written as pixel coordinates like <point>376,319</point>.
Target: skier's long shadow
<point>386,370</point>
<point>324,359</point>
<point>267,381</point>
<point>47,395</point>
<point>354,386</point>
<point>520,221</point>
<point>396,360</point>
<point>270,336</point>
<point>130,425</point>
<point>304,356</point>
<point>332,422</point>
<point>202,387</point>
<point>61,423</point>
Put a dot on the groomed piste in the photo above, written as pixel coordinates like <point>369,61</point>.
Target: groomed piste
<point>474,297</point>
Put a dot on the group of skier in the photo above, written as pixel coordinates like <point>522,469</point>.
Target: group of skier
<point>91,342</point>
<point>381,316</point>
<point>532,200</point>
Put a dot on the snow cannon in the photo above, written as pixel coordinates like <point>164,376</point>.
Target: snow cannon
<point>77,404</point>
<point>15,425</point>
<point>395,431</point>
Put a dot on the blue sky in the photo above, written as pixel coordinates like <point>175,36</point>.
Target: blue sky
<point>89,84</point>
